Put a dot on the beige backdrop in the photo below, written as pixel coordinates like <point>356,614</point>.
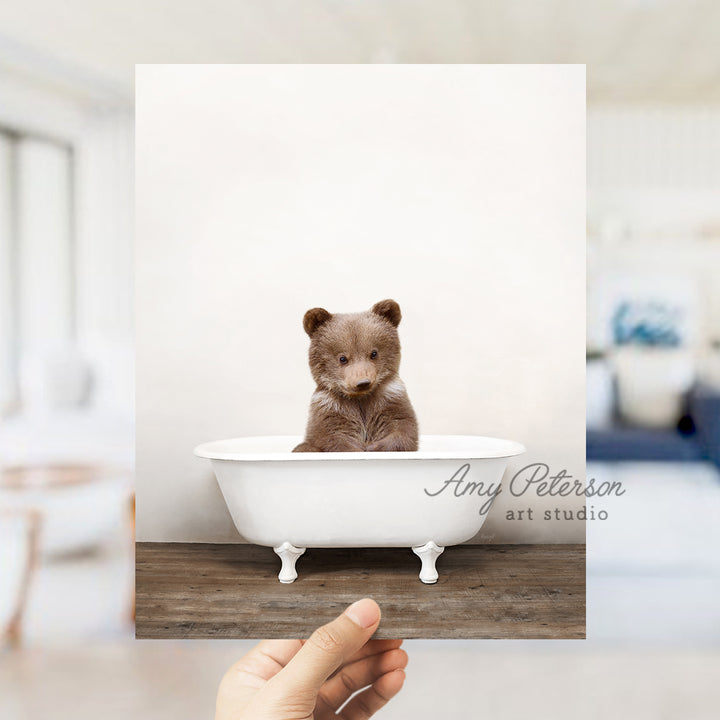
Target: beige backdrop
<point>265,190</point>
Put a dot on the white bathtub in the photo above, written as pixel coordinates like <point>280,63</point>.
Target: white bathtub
<point>425,500</point>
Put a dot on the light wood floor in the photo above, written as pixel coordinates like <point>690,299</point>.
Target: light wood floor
<point>192,590</point>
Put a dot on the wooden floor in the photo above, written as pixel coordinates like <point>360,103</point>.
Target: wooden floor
<point>191,590</point>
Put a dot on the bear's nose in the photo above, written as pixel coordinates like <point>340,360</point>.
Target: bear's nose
<point>363,384</point>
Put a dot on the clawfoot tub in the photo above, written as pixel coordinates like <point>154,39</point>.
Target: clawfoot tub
<point>425,500</point>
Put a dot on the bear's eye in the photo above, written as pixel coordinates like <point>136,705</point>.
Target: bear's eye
<point>343,360</point>
<point>373,354</point>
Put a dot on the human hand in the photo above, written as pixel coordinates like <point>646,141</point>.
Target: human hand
<point>312,679</point>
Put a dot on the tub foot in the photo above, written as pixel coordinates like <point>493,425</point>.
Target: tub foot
<point>288,554</point>
<point>428,554</point>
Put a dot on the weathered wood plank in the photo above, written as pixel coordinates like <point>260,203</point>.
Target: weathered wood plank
<point>192,590</point>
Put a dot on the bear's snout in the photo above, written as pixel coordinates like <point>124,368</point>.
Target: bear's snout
<point>360,378</point>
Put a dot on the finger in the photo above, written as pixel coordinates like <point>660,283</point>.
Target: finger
<point>251,672</point>
<point>374,647</point>
<point>327,649</point>
<point>367,649</point>
<point>358,675</point>
<point>264,661</point>
<point>280,651</point>
<point>365,704</point>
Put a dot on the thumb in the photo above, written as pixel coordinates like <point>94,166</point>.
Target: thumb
<point>327,649</point>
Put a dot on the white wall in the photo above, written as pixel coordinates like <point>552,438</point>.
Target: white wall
<point>262,191</point>
<point>105,204</point>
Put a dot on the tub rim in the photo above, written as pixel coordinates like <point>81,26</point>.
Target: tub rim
<point>505,448</point>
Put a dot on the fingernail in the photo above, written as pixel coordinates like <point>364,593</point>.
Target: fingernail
<point>364,612</point>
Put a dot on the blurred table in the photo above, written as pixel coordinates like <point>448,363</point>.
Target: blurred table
<point>19,532</point>
<point>79,510</point>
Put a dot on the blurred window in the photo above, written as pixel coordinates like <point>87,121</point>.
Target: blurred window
<point>37,267</point>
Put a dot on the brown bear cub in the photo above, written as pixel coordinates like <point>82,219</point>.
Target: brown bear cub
<point>360,403</point>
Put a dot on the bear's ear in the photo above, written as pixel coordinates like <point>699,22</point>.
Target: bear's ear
<point>314,319</point>
<point>389,310</point>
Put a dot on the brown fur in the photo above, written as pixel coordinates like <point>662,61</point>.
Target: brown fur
<point>345,416</point>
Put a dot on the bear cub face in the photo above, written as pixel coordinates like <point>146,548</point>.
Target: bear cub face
<point>352,355</point>
<point>360,403</point>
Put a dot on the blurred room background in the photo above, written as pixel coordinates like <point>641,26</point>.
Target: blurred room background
<point>66,349</point>
<point>653,368</point>
<point>66,368</point>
